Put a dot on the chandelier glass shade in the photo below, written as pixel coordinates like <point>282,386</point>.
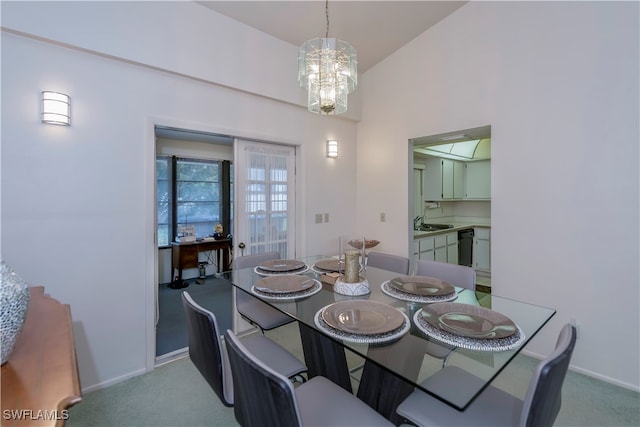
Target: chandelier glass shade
<point>328,70</point>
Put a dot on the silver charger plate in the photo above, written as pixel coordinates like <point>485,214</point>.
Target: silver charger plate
<point>281,265</point>
<point>422,285</point>
<point>470,343</point>
<point>471,321</point>
<point>292,296</point>
<point>362,317</point>
<point>373,339</point>
<point>393,292</point>
<point>329,266</point>
<point>283,284</point>
<point>262,272</point>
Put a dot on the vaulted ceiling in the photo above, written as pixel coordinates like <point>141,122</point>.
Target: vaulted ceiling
<point>374,28</point>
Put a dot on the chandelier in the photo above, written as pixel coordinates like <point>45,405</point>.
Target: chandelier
<point>328,70</point>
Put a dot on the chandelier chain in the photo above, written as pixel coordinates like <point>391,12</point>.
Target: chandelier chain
<point>326,12</point>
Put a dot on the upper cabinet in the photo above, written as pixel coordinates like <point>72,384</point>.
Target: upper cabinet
<point>478,180</point>
<point>443,179</point>
<point>452,179</point>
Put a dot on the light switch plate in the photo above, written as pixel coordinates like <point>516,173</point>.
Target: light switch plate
<point>319,218</point>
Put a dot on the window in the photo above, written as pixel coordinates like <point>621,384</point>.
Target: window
<point>163,199</point>
<point>192,192</point>
<point>198,195</point>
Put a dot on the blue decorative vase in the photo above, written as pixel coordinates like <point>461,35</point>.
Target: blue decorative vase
<point>14,302</point>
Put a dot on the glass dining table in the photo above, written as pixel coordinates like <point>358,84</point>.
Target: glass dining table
<point>403,337</point>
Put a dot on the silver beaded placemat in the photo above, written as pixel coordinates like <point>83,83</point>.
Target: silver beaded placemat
<point>395,293</point>
<point>289,296</point>
<point>485,344</point>
<point>386,337</point>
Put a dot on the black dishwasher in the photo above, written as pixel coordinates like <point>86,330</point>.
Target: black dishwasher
<point>465,247</point>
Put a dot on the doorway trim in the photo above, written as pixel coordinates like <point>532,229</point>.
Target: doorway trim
<point>150,243</point>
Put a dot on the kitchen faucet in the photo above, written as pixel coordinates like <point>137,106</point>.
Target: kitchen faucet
<point>416,221</point>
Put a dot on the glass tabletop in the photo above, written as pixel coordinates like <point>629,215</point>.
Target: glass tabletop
<point>415,352</point>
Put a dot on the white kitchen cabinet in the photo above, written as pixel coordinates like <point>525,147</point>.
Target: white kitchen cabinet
<point>478,180</point>
<point>427,248</point>
<point>443,180</point>
<point>442,247</point>
<point>482,249</point>
<point>452,179</point>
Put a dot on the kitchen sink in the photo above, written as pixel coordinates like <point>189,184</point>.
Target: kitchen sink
<point>435,227</point>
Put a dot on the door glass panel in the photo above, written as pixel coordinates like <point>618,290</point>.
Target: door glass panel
<point>267,204</point>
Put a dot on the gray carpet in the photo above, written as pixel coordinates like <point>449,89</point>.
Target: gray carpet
<point>171,331</point>
<point>175,395</point>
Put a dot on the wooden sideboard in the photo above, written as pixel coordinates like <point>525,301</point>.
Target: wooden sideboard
<point>40,379</point>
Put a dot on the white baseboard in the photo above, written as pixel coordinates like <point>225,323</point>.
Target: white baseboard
<point>590,374</point>
<point>114,381</point>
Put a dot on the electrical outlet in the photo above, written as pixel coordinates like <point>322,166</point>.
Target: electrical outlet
<point>319,218</point>
<point>383,217</point>
<point>576,325</point>
<point>326,217</point>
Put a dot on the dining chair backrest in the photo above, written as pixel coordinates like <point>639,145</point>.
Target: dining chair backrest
<point>494,406</point>
<point>263,396</point>
<point>206,350</point>
<point>458,275</point>
<point>251,308</point>
<point>254,260</point>
<point>543,398</point>
<point>395,263</point>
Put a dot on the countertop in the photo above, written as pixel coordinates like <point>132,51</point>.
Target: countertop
<point>457,226</point>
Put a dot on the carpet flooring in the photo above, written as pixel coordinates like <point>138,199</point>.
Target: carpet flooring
<point>176,395</point>
<point>171,330</point>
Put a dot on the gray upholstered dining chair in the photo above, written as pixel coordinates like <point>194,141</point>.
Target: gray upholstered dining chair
<point>395,263</point>
<point>251,308</point>
<point>264,397</point>
<point>494,407</point>
<point>207,351</point>
<point>458,275</point>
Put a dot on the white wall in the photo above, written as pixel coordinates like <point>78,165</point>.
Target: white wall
<point>561,79</point>
<point>558,82</point>
<point>181,36</point>
<point>78,201</point>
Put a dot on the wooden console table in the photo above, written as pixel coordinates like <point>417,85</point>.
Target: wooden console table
<point>40,379</point>
<point>185,255</point>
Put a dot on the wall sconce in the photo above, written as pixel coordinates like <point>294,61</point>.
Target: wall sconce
<point>332,148</point>
<point>56,108</point>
